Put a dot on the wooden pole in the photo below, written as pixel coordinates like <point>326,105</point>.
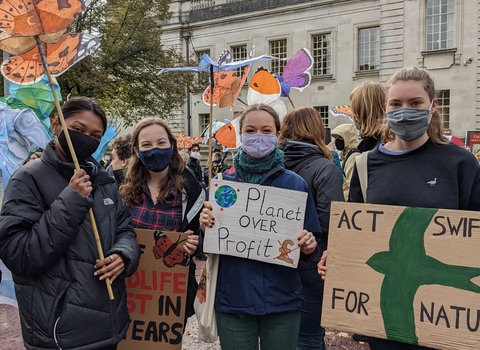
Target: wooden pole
<point>72,152</point>
<point>291,102</point>
<point>210,131</point>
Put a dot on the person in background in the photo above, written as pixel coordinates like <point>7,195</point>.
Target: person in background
<point>121,153</point>
<point>346,141</point>
<point>47,240</point>
<point>255,299</point>
<point>194,162</point>
<point>37,154</point>
<point>414,158</point>
<point>185,157</point>
<point>302,136</point>
<point>367,102</point>
<point>161,193</point>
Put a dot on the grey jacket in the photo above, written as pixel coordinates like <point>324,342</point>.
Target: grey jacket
<point>47,241</point>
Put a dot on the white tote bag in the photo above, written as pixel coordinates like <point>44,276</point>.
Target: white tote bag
<point>204,303</point>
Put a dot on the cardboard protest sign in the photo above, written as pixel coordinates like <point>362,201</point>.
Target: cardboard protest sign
<point>156,293</point>
<point>256,222</point>
<point>405,274</point>
<point>472,140</point>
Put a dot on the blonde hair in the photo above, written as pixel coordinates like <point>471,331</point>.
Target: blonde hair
<point>435,130</point>
<point>367,102</point>
<point>305,124</point>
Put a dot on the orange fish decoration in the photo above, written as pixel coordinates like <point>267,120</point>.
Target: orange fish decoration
<point>24,20</point>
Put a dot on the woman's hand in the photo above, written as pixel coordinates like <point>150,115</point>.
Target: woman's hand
<point>110,267</point>
<point>191,244</point>
<point>307,242</point>
<point>80,182</point>
<point>322,265</point>
<point>206,217</point>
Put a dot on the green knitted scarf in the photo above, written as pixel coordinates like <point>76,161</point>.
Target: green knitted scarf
<point>251,170</point>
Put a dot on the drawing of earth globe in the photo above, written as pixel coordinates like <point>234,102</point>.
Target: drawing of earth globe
<point>225,196</point>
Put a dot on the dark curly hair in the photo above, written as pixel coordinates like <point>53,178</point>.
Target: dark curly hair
<point>137,173</point>
<point>123,146</point>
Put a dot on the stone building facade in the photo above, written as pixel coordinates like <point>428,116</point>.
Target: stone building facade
<point>350,40</point>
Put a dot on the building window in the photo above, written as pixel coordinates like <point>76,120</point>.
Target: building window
<point>440,24</point>
<point>322,54</point>
<point>204,120</point>
<point>239,53</point>
<point>278,48</point>
<point>443,107</point>
<point>203,77</point>
<point>323,111</point>
<point>369,49</point>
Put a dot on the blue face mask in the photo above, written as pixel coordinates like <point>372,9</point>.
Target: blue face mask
<point>156,159</point>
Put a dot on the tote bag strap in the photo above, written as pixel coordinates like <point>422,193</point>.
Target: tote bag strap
<point>362,169</point>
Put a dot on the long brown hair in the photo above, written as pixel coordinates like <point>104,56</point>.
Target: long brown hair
<point>367,102</point>
<point>435,130</point>
<point>260,107</point>
<point>137,174</point>
<point>305,124</point>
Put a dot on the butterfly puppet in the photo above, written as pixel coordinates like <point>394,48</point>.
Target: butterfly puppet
<point>296,73</point>
<point>344,111</point>
<point>227,84</point>
<point>23,21</point>
<point>169,251</point>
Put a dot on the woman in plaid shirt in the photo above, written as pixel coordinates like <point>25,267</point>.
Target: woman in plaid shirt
<point>161,193</point>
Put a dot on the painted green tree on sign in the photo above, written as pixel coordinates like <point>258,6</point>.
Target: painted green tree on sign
<point>406,267</point>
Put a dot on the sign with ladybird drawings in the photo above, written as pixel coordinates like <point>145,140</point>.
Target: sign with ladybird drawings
<point>156,292</point>
<point>256,222</point>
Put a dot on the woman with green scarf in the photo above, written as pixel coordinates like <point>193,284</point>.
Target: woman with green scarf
<point>255,299</point>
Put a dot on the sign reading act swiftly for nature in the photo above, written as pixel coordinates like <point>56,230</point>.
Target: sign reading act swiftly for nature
<point>405,274</point>
<point>256,222</point>
<point>156,293</point>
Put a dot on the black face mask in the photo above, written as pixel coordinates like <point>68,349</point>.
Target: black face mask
<point>84,145</point>
<point>340,144</point>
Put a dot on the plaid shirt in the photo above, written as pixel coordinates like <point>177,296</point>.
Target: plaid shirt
<point>164,216</point>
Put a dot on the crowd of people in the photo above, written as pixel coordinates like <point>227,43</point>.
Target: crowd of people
<point>46,236</point>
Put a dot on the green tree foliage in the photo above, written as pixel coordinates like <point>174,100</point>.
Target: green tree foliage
<point>122,74</point>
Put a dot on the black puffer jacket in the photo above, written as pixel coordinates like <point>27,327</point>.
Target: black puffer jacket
<point>320,174</point>
<point>46,240</point>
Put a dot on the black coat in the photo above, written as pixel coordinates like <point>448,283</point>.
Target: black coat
<point>46,240</point>
<point>320,174</point>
